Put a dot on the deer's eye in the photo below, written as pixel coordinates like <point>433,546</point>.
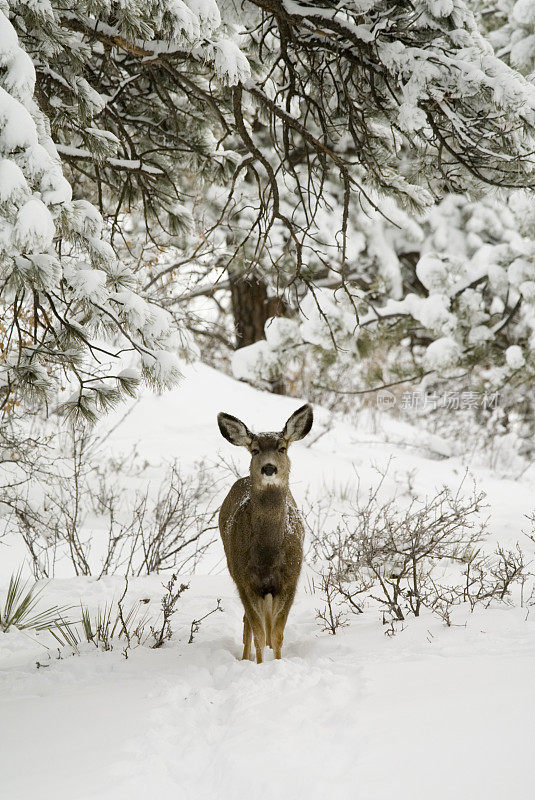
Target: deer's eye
<point>255,451</point>
<point>282,449</point>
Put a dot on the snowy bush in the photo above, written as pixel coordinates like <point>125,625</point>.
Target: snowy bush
<point>407,557</point>
<point>89,513</point>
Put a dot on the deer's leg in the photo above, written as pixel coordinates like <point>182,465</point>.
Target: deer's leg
<point>268,618</point>
<point>279,623</point>
<point>256,623</point>
<point>247,638</point>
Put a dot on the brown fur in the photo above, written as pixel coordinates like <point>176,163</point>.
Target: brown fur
<point>262,534</point>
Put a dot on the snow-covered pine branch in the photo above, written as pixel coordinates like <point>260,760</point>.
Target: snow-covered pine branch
<point>253,127</point>
<point>63,291</point>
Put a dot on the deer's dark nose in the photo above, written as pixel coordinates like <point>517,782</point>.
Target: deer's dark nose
<point>269,469</point>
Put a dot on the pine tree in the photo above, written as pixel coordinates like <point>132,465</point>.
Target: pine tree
<point>511,30</point>
<point>64,293</point>
<point>405,101</point>
<point>236,122</point>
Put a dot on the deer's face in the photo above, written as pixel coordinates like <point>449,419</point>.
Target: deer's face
<point>270,464</point>
<point>269,459</point>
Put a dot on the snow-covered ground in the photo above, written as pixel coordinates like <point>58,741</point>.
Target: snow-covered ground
<point>429,712</point>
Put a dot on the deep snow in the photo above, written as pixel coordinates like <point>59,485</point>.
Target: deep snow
<point>430,712</point>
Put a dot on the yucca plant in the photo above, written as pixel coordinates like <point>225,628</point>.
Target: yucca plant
<point>20,610</point>
<point>108,624</point>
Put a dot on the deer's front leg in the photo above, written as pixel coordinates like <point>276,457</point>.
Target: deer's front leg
<point>279,623</point>
<point>256,625</point>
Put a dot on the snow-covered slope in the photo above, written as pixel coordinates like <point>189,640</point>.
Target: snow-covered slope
<point>182,424</point>
<point>429,712</point>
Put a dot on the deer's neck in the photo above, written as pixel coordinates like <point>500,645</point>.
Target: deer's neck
<point>269,513</point>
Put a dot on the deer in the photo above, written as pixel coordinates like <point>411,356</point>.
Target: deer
<point>262,530</point>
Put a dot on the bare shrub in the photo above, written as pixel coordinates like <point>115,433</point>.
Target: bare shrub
<point>29,466</point>
<point>176,535</point>
<point>196,623</point>
<point>169,601</point>
<point>331,615</point>
<point>168,527</point>
<point>154,527</point>
<point>409,556</point>
<point>51,512</point>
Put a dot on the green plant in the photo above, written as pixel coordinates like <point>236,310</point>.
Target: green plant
<point>109,623</point>
<point>20,609</point>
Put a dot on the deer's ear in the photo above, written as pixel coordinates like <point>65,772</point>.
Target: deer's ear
<point>299,424</point>
<point>234,430</point>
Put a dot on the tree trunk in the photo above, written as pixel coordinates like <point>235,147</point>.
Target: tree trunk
<point>251,309</point>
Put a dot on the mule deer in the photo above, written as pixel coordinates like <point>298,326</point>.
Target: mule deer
<point>262,531</point>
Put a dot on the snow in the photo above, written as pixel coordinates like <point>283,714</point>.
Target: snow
<point>129,374</point>
<point>159,323</point>
<point>362,6</point>
<point>523,12</point>
<point>34,227</point>
<point>410,117</point>
<point>522,52</point>
<point>479,334</point>
<point>20,78</point>
<point>428,712</point>
<point>447,710</point>
<point>440,8</point>
<point>514,357</point>
<point>17,128</point>
<point>163,365</point>
<point>134,306</point>
<point>90,219</point>
<point>231,65</point>
<point>126,163</point>
<point>442,354</point>
<point>432,272</point>
<point>207,11</point>
<point>254,361</point>
<point>8,39</point>
<point>85,282</point>
<point>280,330</point>
<point>13,184</point>
<point>432,311</point>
